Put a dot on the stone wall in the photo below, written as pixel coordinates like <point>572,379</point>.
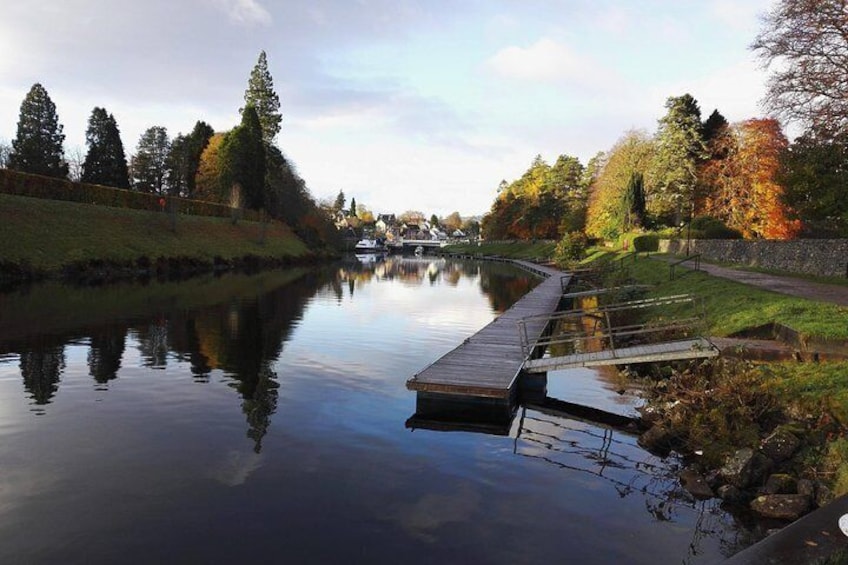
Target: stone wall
<point>826,257</point>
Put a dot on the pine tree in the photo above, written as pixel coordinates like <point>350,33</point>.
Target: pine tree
<point>260,94</point>
<point>38,145</point>
<point>105,163</point>
<point>243,159</point>
<point>149,165</point>
<point>353,207</point>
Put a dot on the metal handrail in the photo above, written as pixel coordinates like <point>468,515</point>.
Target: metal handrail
<point>696,258</point>
<point>603,314</point>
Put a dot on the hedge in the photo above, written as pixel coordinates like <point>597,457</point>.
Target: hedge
<point>51,188</point>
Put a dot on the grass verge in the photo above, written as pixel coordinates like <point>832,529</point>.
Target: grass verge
<point>49,234</point>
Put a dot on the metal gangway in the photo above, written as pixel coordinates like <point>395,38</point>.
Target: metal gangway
<point>618,334</point>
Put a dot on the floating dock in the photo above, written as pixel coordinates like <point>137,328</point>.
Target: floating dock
<point>487,365</point>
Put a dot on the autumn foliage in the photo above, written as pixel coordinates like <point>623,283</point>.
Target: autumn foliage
<point>741,187</point>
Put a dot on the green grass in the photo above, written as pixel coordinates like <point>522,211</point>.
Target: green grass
<point>732,307</point>
<point>48,234</point>
<point>536,250</point>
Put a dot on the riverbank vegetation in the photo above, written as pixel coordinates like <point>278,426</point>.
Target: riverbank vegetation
<point>240,174</point>
<point>51,235</point>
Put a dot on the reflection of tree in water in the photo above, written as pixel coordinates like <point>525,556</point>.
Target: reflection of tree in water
<point>153,343</point>
<point>503,287</point>
<point>106,352</point>
<point>41,368</point>
<point>595,451</point>
<point>244,338</point>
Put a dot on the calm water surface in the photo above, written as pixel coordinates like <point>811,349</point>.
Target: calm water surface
<point>264,417</point>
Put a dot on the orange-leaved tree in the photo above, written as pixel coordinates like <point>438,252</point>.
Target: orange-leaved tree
<point>742,187</point>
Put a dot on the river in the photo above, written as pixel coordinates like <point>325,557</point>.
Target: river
<point>237,418</point>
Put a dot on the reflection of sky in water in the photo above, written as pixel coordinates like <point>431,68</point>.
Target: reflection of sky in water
<point>156,465</point>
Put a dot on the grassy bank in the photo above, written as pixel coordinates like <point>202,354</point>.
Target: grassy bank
<point>534,250</point>
<point>48,235</point>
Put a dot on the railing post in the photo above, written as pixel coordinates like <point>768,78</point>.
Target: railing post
<point>609,329</point>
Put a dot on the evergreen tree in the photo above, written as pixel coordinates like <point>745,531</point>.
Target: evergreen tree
<point>680,149</point>
<point>353,207</point>
<point>105,163</point>
<point>633,201</point>
<point>260,94</point>
<point>38,145</point>
<point>340,201</point>
<point>713,126</point>
<point>243,159</point>
<point>150,163</point>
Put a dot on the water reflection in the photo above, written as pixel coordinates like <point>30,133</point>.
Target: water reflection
<point>279,399</point>
<point>41,368</point>
<point>236,325</point>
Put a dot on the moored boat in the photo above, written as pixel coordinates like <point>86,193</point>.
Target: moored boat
<point>367,245</point>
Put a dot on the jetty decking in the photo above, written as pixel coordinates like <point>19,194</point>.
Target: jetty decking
<point>649,353</point>
<point>488,363</point>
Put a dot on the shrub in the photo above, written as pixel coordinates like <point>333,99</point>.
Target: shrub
<point>712,228</point>
<point>647,242</point>
<point>571,248</point>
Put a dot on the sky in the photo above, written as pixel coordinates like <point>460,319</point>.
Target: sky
<point>402,104</point>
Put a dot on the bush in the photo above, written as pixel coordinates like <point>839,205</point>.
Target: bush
<point>571,248</point>
<point>647,242</point>
<point>712,228</point>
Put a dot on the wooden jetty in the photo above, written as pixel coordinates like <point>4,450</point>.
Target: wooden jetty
<point>487,364</point>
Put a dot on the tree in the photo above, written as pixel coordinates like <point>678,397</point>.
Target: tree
<point>340,201</point>
<point>150,162</point>
<point>746,193</point>
<point>260,94</point>
<point>184,159</point>
<point>208,177</point>
<point>105,163</point>
<point>805,44</point>
<point>452,222</point>
<point>679,151</point>
<point>352,208</point>
<point>815,175</point>
<point>632,154</point>
<point>633,204</point>
<point>242,156</point>
<point>37,148</point>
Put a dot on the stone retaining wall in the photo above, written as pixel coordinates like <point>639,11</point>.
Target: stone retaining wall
<point>824,257</point>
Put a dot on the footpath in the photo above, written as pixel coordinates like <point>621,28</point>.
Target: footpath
<point>782,284</point>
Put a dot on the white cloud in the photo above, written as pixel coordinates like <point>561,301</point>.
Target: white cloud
<point>549,61</point>
<point>246,12</point>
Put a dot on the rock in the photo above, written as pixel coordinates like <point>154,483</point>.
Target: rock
<point>658,440</point>
<point>695,484</point>
<point>780,445</point>
<point>781,506</point>
<point>807,487</point>
<point>745,467</point>
<point>824,495</point>
<point>731,494</point>
<point>781,483</point>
